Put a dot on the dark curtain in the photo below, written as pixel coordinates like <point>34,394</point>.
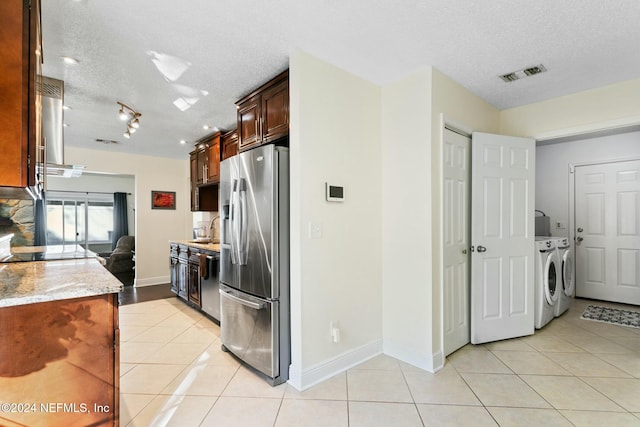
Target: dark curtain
<point>40,235</point>
<point>120,221</point>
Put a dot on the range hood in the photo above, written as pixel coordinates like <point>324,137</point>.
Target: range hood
<point>52,91</point>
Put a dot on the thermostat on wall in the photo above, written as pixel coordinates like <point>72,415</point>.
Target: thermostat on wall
<point>335,193</point>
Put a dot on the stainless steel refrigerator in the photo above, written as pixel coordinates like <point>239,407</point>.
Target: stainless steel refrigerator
<point>254,259</point>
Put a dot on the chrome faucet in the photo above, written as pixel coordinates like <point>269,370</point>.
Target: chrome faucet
<point>212,230</point>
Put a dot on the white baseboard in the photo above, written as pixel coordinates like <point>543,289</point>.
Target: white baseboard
<point>430,363</point>
<point>149,281</point>
<point>311,376</point>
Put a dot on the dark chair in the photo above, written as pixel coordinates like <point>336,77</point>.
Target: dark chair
<point>121,259</point>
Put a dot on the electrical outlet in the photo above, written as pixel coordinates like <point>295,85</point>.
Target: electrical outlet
<point>561,225</point>
<point>315,230</point>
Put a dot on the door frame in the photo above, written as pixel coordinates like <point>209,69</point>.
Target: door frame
<point>572,204</point>
<point>458,127</point>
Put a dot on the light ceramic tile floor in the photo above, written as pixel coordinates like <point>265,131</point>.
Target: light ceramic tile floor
<point>571,372</point>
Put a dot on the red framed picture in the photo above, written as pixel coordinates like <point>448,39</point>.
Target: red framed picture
<point>163,199</point>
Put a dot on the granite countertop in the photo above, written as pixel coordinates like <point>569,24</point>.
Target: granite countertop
<point>213,247</point>
<point>39,281</point>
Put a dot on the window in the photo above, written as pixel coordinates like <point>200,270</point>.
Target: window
<point>84,219</point>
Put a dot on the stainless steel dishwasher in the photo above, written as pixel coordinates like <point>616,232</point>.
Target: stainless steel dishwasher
<point>210,286</point>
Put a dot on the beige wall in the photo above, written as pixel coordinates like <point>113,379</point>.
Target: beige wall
<point>601,108</point>
<point>453,104</point>
<point>335,138</point>
<point>154,228</point>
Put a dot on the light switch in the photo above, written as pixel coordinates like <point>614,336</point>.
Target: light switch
<point>315,230</point>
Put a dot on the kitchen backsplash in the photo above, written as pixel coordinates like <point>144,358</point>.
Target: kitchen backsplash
<point>17,217</point>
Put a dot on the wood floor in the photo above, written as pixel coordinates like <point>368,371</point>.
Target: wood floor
<point>132,295</point>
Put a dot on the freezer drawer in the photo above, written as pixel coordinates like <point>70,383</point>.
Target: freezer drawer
<point>249,328</point>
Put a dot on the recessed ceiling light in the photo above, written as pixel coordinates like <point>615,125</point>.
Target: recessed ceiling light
<point>66,125</point>
<point>206,127</point>
<point>69,60</point>
<point>66,107</point>
<point>182,141</point>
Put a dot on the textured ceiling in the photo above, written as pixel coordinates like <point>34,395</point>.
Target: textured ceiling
<point>204,54</point>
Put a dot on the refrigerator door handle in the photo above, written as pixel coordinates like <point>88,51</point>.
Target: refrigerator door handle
<point>243,237</point>
<point>233,219</point>
<point>250,304</point>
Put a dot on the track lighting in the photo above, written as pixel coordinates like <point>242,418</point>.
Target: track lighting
<point>127,113</point>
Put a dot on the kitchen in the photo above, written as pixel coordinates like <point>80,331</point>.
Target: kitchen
<point>373,315</point>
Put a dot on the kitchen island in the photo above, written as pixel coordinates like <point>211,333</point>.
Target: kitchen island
<point>59,343</point>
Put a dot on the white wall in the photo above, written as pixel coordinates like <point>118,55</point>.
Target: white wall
<point>335,138</point>
<point>608,107</point>
<point>102,184</point>
<point>605,107</point>
<point>154,228</point>
<point>406,219</point>
<point>552,169</point>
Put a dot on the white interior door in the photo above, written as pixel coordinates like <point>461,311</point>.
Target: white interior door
<point>502,234</point>
<point>456,193</point>
<point>607,213</point>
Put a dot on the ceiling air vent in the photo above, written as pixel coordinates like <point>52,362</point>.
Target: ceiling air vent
<point>509,77</point>
<point>534,70</point>
<point>520,74</point>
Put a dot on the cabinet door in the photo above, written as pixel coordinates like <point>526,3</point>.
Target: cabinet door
<point>193,158</point>
<point>183,276</point>
<point>201,161</point>
<point>249,123</point>
<point>16,87</point>
<point>213,160</point>
<point>275,112</point>
<point>173,270</point>
<point>229,144</point>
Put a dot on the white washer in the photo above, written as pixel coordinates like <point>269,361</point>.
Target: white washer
<point>546,295</point>
<point>566,281</point>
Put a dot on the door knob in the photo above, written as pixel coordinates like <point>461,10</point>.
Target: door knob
<point>580,230</point>
<point>481,249</point>
<point>579,239</point>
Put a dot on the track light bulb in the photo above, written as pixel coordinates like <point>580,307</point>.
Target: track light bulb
<point>127,134</point>
<point>135,123</point>
<point>131,129</point>
<point>122,114</point>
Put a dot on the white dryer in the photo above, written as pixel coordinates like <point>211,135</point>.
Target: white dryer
<point>546,271</point>
<point>566,286</point>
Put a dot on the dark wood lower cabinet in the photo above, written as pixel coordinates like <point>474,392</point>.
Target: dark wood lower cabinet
<point>185,273</point>
<point>59,363</point>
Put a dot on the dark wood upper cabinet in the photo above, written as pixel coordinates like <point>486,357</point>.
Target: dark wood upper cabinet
<point>229,144</point>
<point>205,173</point>
<point>21,142</point>
<point>212,168</point>
<point>263,115</point>
<point>249,123</point>
<point>275,112</point>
